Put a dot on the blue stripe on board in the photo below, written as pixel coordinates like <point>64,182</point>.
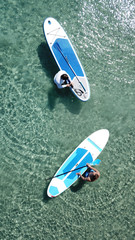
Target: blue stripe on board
<point>94,144</point>
<point>71,161</point>
<point>72,177</point>
<point>70,55</point>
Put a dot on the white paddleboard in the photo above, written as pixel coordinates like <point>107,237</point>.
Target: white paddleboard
<point>66,57</point>
<point>86,152</point>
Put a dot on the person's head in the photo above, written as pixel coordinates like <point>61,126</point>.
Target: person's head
<point>94,177</point>
<point>64,76</point>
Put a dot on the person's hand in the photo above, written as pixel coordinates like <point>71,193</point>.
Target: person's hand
<point>70,85</point>
<point>78,174</point>
<point>88,165</point>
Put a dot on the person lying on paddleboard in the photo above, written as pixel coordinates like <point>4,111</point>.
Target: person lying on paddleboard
<point>62,80</point>
<point>91,174</point>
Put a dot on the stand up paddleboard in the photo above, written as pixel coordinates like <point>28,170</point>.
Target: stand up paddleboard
<point>66,57</point>
<point>86,152</point>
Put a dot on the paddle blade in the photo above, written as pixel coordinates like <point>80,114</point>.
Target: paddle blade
<point>96,162</point>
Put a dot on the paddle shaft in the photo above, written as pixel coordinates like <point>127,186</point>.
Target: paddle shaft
<point>66,172</point>
<point>59,48</point>
<point>95,162</point>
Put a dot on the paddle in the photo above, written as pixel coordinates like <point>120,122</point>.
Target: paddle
<point>96,162</point>
<point>60,50</point>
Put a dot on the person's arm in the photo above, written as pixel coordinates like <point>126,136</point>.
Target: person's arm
<point>84,178</point>
<point>69,85</point>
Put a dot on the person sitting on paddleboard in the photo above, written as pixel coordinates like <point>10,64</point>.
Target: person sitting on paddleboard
<point>91,174</point>
<point>62,80</point>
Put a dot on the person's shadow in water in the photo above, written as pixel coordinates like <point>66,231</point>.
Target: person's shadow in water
<point>64,96</point>
<point>77,186</point>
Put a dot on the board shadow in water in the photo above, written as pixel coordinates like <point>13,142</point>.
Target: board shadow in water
<point>64,96</point>
<point>45,196</point>
<point>47,61</point>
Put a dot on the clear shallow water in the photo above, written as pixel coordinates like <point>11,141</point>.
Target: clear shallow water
<point>41,126</point>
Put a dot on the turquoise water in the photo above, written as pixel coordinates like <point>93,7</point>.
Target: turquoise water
<point>41,125</point>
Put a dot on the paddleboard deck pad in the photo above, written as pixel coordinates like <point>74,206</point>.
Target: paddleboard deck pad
<point>66,57</point>
<point>86,152</point>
